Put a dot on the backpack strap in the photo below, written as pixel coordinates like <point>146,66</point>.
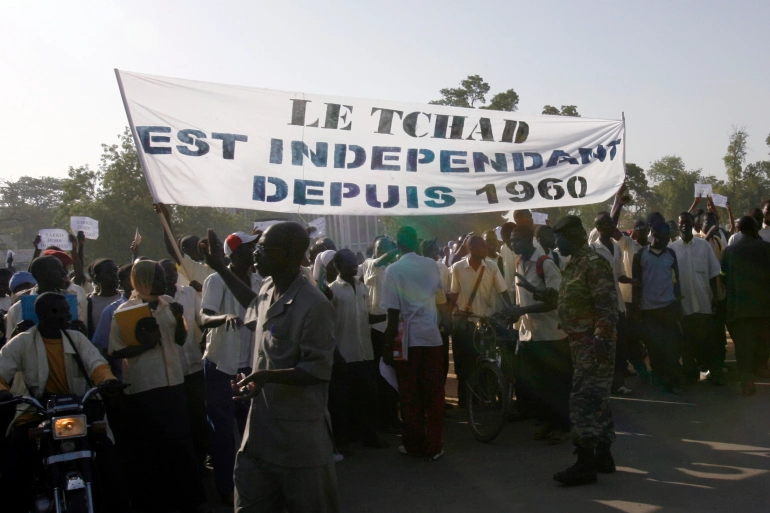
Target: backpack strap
<point>90,328</point>
<point>539,266</point>
<point>475,289</point>
<point>78,360</point>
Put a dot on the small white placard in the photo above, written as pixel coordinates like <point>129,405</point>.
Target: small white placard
<point>499,232</point>
<point>319,225</point>
<point>263,225</point>
<point>539,218</point>
<point>89,227</point>
<point>719,200</point>
<point>54,237</point>
<point>702,190</point>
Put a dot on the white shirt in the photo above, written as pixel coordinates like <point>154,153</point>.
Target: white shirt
<point>697,265</point>
<point>157,367</point>
<point>446,278</point>
<point>509,269</point>
<point>5,302</point>
<point>764,234</point>
<point>373,280</point>
<point>410,285</point>
<point>190,271</point>
<point>352,333</point>
<point>629,247</point>
<point>616,263</point>
<point>224,347</point>
<point>492,285</point>
<point>190,353</point>
<point>538,326</point>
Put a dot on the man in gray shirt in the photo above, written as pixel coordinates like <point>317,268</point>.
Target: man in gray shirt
<point>285,460</point>
<point>656,300</point>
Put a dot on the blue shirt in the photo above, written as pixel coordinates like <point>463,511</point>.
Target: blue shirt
<point>658,275</point>
<point>101,337</point>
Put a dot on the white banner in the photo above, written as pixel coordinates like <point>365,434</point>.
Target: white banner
<point>54,237</point>
<point>205,144</point>
<point>89,227</point>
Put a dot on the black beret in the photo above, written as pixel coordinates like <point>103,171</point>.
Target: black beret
<point>569,224</point>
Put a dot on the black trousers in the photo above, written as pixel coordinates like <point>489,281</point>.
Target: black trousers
<point>700,344</point>
<point>161,467</point>
<point>663,338</point>
<point>546,372</point>
<point>635,351</point>
<point>196,404</point>
<point>387,396</point>
<point>751,337</point>
<point>621,353</point>
<point>465,355</point>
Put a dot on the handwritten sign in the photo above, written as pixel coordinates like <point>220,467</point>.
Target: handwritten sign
<point>263,225</point>
<point>90,227</point>
<point>54,237</point>
<point>719,200</point>
<point>703,190</point>
<point>320,227</point>
<point>539,218</point>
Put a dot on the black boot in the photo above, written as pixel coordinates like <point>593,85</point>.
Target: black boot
<point>582,472</point>
<point>604,460</point>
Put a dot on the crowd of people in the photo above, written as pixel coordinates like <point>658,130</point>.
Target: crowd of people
<point>297,350</point>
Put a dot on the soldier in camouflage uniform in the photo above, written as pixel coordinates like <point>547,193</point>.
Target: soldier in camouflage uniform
<point>588,313</point>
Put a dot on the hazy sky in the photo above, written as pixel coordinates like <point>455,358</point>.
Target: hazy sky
<point>684,72</point>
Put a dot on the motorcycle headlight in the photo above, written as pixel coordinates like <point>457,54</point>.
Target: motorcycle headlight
<point>68,427</point>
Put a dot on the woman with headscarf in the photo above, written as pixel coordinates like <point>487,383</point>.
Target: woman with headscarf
<point>160,453</point>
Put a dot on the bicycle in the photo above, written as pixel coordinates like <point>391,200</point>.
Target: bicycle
<point>490,385</point>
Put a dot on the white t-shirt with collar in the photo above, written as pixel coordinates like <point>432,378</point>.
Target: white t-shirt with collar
<point>410,285</point>
<point>616,263</point>
<point>373,277</point>
<point>229,350</point>
<point>492,284</point>
<point>697,265</point>
<point>538,326</point>
<point>629,247</point>
<point>190,352</point>
<point>352,333</point>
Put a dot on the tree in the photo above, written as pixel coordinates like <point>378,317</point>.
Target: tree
<point>28,205</point>
<point>472,91</point>
<point>735,158</point>
<point>674,185</point>
<point>566,110</point>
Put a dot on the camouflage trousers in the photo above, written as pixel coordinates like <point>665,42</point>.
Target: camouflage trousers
<point>589,402</point>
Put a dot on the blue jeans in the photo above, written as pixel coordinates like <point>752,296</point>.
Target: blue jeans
<point>223,413</point>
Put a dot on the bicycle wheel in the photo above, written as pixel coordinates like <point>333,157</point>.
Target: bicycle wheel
<point>488,401</point>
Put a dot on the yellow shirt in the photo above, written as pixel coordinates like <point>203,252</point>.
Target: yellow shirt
<point>57,377</point>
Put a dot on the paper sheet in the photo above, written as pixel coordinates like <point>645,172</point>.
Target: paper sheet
<point>703,190</point>
<point>54,237</point>
<point>89,227</point>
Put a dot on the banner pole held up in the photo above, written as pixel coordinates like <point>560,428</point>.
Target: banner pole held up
<point>178,253</point>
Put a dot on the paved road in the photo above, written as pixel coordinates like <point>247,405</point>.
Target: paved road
<point>708,450</point>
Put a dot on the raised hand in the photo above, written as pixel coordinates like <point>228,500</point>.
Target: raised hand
<point>213,251</point>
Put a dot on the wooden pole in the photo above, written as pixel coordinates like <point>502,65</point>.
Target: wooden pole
<point>178,253</point>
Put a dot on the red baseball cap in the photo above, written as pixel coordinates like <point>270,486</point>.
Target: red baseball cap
<point>63,257</point>
<point>236,239</point>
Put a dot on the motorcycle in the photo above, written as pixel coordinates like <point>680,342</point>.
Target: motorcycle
<point>64,483</point>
